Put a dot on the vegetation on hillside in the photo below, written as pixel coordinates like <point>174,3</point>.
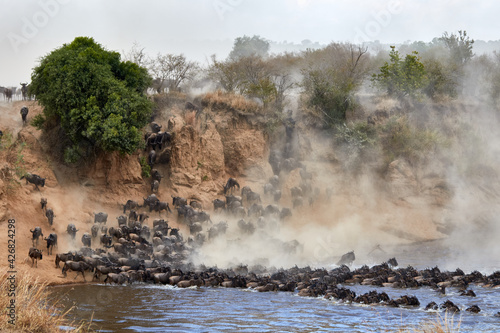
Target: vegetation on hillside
<point>99,102</point>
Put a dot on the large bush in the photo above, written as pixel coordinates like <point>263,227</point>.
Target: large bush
<point>97,99</point>
<point>400,77</point>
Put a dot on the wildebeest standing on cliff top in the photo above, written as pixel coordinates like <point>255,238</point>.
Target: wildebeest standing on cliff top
<point>24,90</point>
<point>8,94</point>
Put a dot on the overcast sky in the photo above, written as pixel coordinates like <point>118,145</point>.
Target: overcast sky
<point>30,29</point>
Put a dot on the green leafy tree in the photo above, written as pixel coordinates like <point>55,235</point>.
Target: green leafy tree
<point>95,98</point>
<point>399,77</point>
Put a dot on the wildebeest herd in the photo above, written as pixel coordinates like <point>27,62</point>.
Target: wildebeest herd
<point>10,93</point>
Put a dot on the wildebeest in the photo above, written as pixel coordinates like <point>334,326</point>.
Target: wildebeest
<point>76,266</point>
<point>251,196</point>
<point>101,270</point>
<point>24,90</point>
<point>43,202</point>
<point>218,203</point>
<point>122,220</point>
<point>106,240</point>
<point>100,217</point>
<point>392,262</point>
<point>86,239</point>
<point>199,217</point>
<point>35,255</point>
<point>24,114</point>
<point>67,256</point>
<point>119,278</point>
<point>285,213</point>
<point>155,127</point>
<point>276,195</point>
<point>255,210</point>
<point>155,185</point>
<point>50,215</point>
<point>94,230</point>
<point>51,242</point>
<point>150,201</point>
<point>230,185</point>
<point>268,188</point>
<point>143,216</point>
<point>150,139</point>
<point>161,138</point>
<point>151,158</point>
<point>36,233</point>
<point>347,259</point>
<point>195,228</point>
<point>275,181</point>
<point>131,204</point>
<point>34,179</point>
<point>196,204</point>
<point>296,192</point>
<point>297,202</point>
<point>246,227</point>
<point>8,94</point>
<point>155,175</point>
<point>161,205</point>
<point>217,229</point>
<point>271,210</point>
<point>71,230</point>
<point>178,201</point>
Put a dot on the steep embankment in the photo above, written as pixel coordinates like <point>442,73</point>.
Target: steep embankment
<point>209,145</point>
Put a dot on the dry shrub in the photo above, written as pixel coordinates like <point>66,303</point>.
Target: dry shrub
<point>219,100</point>
<point>35,310</point>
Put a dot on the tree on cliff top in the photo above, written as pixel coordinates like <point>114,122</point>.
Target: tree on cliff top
<point>249,47</point>
<point>97,99</point>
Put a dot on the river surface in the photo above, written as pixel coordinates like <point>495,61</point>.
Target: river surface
<point>158,308</point>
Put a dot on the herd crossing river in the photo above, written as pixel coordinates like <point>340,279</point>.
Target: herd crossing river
<point>142,307</point>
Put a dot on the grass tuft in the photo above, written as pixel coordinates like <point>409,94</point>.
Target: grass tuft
<point>36,311</point>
